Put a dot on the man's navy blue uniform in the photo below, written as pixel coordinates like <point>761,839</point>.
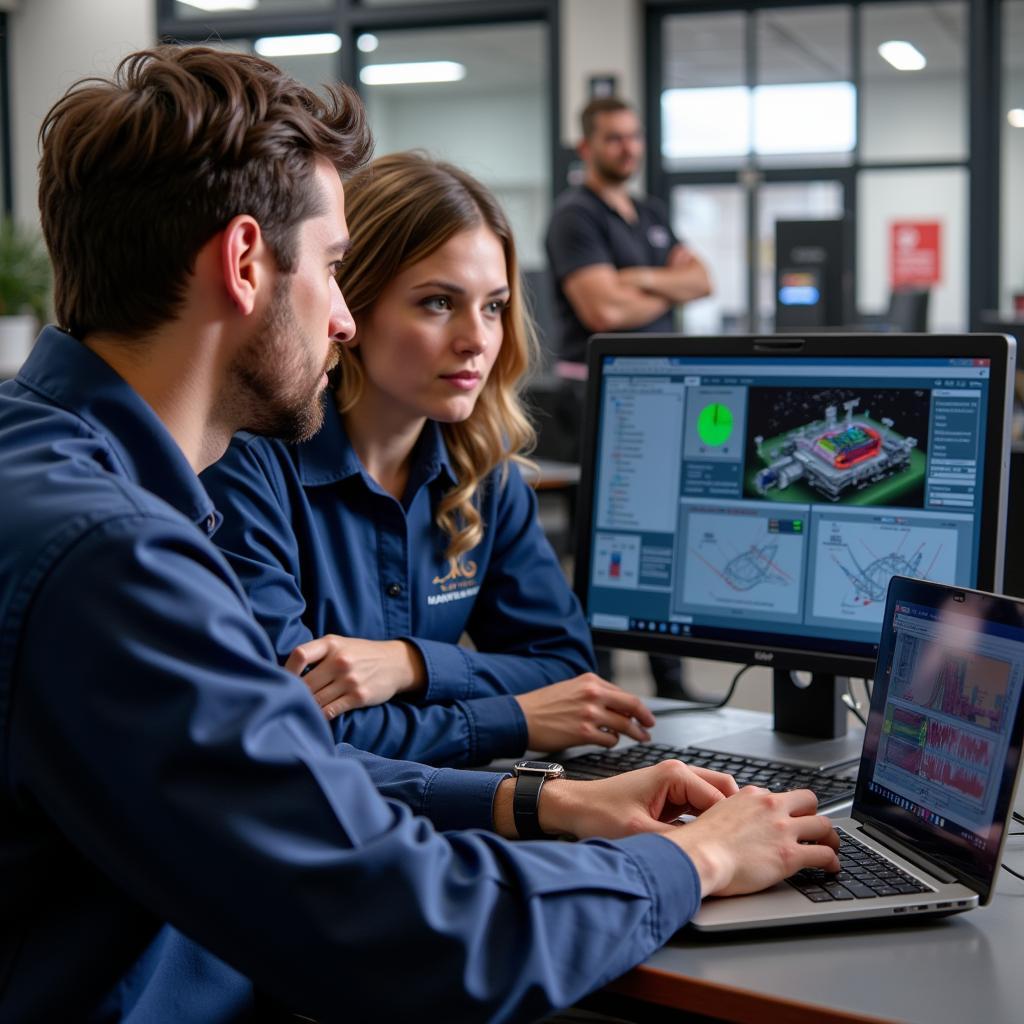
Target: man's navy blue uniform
<point>321,548</point>
<point>162,777</point>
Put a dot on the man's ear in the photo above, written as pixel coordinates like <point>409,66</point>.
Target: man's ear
<point>243,262</point>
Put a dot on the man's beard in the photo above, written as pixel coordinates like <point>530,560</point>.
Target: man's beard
<point>612,172</point>
<point>276,381</point>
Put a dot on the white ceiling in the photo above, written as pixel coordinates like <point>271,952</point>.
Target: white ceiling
<point>812,43</point>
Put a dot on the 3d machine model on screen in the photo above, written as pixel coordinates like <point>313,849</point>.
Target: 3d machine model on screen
<point>833,457</point>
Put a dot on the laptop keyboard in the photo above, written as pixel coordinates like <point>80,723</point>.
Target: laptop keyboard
<point>864,875</point>
<point>748,771</point>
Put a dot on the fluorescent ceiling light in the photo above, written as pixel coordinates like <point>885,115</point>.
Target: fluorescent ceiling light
<point>298,46</point>
<point>903,56</point>
<point>221,5</point>
<point>367,42</point>
<point>413,74</point>
<point>1016,117</point>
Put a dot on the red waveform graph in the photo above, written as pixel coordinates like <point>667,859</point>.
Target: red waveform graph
<point>948,739</point>
<point>964,780</point>
<point>972,687</point>
<point>902,755</point>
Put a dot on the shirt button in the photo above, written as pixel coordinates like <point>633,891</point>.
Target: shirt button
<point>211,522</point>
<point>394,589</point>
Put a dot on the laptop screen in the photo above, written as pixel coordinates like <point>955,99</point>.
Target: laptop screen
<point>944,737</point>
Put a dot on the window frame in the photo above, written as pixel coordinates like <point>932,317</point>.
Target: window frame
<point>350,18</point>
<point>983,81</point>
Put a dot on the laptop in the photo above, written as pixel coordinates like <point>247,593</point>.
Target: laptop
<point>938,772</point>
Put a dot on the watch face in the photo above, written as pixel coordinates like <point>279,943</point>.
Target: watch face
<point>541,767</point>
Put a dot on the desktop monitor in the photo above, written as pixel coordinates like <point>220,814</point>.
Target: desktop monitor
<point>748,499</point>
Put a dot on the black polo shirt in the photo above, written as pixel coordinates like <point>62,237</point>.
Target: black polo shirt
<point>585,230</point>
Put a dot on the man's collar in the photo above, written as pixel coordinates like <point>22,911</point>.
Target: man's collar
<point>66,372</point>
<point>329,457</point>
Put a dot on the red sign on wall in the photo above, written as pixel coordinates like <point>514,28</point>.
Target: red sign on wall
<point>915,253</point>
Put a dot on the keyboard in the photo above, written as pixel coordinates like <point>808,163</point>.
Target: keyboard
<point>833,787</point>
<point>864,875</point>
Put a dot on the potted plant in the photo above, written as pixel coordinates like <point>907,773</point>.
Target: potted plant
<point>24,292</point>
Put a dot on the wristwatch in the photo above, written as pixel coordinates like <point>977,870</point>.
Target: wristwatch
<point>530,779</point>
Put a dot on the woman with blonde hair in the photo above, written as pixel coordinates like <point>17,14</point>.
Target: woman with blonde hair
<point>369,550</point>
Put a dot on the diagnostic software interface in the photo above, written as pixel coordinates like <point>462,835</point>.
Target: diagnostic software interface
<point>778,495</point>
<point>952,689</point>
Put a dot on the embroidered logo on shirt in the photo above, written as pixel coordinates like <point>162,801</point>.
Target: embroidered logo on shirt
<point>456,585</point>
<point>658,236</point>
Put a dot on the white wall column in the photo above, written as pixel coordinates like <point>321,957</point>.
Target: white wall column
<point>52,44</point>
<point>599,37</point>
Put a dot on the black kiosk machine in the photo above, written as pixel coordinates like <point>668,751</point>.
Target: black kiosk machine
<point>810,286</point>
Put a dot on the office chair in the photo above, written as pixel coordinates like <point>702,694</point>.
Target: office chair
<point>908,310</point>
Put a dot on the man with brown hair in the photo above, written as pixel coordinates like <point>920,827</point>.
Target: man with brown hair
<point>616,262</point>
<point>184,839</point>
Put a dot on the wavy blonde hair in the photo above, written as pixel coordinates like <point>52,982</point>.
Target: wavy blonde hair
<point>400,209</point>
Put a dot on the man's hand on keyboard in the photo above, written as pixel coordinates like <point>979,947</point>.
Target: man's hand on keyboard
<point>645,800</point>
<point>756,838</point>
<point>582,710</point>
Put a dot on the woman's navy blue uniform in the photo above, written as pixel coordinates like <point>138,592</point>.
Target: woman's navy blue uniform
<point>321,548</point>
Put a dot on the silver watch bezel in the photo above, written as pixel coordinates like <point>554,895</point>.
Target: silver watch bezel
<point>547,769</point>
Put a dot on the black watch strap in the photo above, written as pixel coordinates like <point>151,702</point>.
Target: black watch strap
<point>526,805</point>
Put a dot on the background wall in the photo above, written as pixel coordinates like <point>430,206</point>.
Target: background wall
<point>1013,216</point>
<point>474,133</point>
<point>54,43</point>
<point>598,37</point>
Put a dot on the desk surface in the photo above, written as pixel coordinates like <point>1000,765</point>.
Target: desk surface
<point>957,969</point>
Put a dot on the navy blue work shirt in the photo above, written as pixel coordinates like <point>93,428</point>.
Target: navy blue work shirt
<point>321,548</point>
<point>177,818</point>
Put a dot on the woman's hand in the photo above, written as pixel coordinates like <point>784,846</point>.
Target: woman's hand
<point>582,710</point>
<point>343,672</point>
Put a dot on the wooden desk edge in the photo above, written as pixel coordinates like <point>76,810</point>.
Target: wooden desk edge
<point>741,1006</point>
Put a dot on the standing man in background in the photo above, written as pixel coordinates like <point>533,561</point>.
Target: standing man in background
<point>617,266</point>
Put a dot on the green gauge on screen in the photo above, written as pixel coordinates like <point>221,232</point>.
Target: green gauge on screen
<point>714,424</point>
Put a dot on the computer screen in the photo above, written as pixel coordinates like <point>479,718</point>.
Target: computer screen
<point>748,499</point>
<point>942,748</point>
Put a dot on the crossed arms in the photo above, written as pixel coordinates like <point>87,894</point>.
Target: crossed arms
<point>607,299</point>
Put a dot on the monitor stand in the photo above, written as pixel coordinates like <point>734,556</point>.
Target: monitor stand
<point>810,727</point>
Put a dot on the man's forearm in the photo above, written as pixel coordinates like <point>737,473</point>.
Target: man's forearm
<point>624,307</point>
<point>674,285</point>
